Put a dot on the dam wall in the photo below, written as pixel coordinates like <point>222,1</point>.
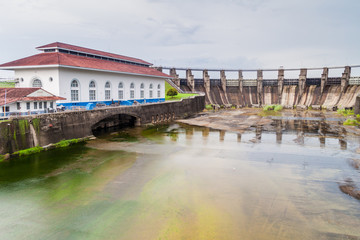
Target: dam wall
<point>303,91</point>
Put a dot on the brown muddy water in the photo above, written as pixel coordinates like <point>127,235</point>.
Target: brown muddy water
<point>279,178</point>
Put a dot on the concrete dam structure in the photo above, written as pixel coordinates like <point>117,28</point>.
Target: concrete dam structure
<point>326,92</point>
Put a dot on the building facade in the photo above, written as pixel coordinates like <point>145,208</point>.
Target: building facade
<point>26,101</point>
<point>86,77</point>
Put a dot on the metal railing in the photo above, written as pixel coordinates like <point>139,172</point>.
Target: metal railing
<point>215,82</point>
<point>270,82</point>
<point>354,81</point>
<point>232,82</point>
<point>249,83</point>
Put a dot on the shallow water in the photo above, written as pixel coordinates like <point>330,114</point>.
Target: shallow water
<point>184,182</point>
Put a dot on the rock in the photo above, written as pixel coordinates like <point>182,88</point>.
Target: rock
<point>316,107</point>
<point>301,107</point>
<point>48,147</point>
<point>7,156</point>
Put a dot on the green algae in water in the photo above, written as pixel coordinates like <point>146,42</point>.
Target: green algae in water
<point>124,137</point>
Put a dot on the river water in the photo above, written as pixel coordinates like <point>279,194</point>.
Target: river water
<point>183,182</point>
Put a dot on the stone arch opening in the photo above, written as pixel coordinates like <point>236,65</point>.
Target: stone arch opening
<point>114,123</point>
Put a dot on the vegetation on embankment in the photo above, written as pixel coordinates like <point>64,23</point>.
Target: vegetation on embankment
<point>351,118</point>
<point>7,84</point>
<point>275,108</point>
<point>177,97</point>
<point>37,149</point>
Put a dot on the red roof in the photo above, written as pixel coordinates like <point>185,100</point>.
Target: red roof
<point>64,59</point>
<point>91,51</point>
<point>21,94</point>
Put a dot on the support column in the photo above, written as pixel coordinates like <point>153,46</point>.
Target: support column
<point>302,82</point>
<point>260,86</point>
<point>281,77</point>
<point>345,79</point>
<point>160,69</point>
<point>206,78</point>
<point>190,80</point>
<point>324,78</point>
<point>175,77</point>
<point>241,81</point>
<point>223,80</point>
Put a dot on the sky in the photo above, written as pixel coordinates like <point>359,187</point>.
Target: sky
<point>227,34</point>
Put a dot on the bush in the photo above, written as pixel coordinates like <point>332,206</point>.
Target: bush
<point>345,112</point>
<point>273,107</point>
<point>351,122</point>
<point>172,92</point>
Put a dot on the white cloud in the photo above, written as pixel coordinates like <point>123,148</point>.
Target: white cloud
<point>223,34</point>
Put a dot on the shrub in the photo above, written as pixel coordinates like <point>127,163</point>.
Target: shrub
<point>209,107</point>
<point>278,108</point>
<point>172,92</point>
<point>351,122</point>
<point>273,107</point>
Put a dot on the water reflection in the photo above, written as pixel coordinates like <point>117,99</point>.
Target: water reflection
<point>184,182</point>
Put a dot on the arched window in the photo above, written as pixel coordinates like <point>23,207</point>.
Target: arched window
<point>74,87</point>
<point>158,91</point>
<point>151,90</point>
<point>37,83</point>
<point>132,91</point>
<point>92,91</point>
<point>142,91</point>
<point>107,91</point>
<point>121,90</point>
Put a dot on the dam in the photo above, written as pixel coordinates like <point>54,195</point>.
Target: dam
<point>323,92</point>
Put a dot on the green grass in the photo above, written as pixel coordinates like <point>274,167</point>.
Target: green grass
<point>28,151</point>
<point>351,122</point>
<point>66,143</point>
<point>7,84</point>
<point>273,108</point>
<point>177,97</point>
<point>208,107</point>
<point>345,112</point>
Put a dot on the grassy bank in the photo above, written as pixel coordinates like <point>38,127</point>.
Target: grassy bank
<point>179,96</point>
<point>37,149</point>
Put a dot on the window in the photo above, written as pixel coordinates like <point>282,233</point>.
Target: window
<point>18,106</point>
<point>92,91</point>
<point>150,94</point>
<point>45,105</point>
<point>74,83</point>
<point>40,105</point>
<point>6,108</point>
<point>35,105</point>
<point>142,91</point>
<point>121,90</point>
<point>151,86</point>
<point>74,90</point>
<point>107,91</point>
<point>121,94</point>
<point>27,106</point>
<point>132,91</point>
<point>37,83</point>
<point>51,104</point>
<point>158,92</point>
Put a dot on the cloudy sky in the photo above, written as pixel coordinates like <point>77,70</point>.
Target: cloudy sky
<point>239,34</point>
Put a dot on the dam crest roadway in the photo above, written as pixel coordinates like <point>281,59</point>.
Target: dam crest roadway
<point>323,92</point>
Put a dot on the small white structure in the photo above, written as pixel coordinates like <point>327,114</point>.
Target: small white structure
<point>26,101</point>
<point>86,77</point>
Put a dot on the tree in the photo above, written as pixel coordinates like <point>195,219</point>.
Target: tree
<point>172,92</point>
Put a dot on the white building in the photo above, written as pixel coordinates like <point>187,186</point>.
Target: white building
<point>85,76</point>
<point>26,101</point>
